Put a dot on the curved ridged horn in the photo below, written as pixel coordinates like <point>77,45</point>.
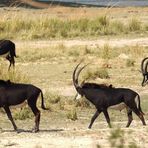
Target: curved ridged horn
<point>145,68</point>
<point>78,73</point>
<point>73,76</point>
<point>142,65</point>
<point>145,76</point>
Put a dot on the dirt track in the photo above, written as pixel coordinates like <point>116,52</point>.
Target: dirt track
<point>98,42</point>
<point>74,137</point>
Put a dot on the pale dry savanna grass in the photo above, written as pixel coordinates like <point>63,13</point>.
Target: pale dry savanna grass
<point>116,60</point>
<point>51,67</point>
<point>39,24</point>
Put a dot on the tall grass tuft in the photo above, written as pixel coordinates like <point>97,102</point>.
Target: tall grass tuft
<point>134,25</point>
<point>23,114</point>
<point>117,27</point>
<point>53,98</point>
<point>82,103</point>
<point>72,114</point>
<point>116,138</point>
<point>45,27</point>
<point>97,73</point>
<point>106,52</point>
<point>130,62</point>
<point>13,75</point>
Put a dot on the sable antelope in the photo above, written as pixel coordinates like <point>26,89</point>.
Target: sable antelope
<point>12,94</point>
<point>7,49</point>
<point>144,68</point>
<point>106,96</point>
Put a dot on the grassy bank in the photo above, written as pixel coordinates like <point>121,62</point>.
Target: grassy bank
<point>39,25</point>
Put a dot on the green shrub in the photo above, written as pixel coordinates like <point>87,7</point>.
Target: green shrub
<point>74,53</point>
<point>132,145</point>
<point>87,50</point>
<point>53,98</point>
<point>72,114</point>
<point>82,103</point>
<point>13,75</point>
<point>98,146</point>
<point>146,27</point>
<point>97,73</point>
<point>23,114</point>
<point>130,62</point>
<point>134,25</point>
<point>104,20</point>
<point>61,105</point>
<point>117,27</point>
<point>44,27</point>
<point>116,138</point>
<point>106,51</point>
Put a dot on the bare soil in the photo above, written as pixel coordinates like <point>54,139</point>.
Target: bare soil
<point>73,134</point>
<point>143,41</point>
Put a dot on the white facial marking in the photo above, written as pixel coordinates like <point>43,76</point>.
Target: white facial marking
<point>78,96</point>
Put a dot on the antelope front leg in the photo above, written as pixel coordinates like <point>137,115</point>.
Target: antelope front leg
<point>8,112</point>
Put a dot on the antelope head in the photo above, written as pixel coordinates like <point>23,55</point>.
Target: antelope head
<point>144,68</point>
<point>75,77</point>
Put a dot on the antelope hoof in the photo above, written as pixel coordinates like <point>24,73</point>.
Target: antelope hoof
<point>35,130</point>
<point>19,130</point>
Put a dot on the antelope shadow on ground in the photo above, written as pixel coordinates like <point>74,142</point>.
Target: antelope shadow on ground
<point>30,131</point>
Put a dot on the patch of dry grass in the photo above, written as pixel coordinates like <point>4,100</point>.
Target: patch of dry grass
<point>28,25</point>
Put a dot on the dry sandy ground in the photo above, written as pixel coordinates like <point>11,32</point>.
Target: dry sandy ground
<point>74,137</point>
<point>45,140</point>
<point>77,136</point>
<point>68,91</point>
<point>99,42</point>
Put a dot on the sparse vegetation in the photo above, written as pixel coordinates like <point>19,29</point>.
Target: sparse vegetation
<point>13,75</point>
<point>106,52</point>
<point>130,62</point>
<point>45,27</point>
<point>118,139</point>
<point>72,114</point>
<point>134,25</point>
<point>54,98</point>
<point>97,73</point>
<point>23,114</point>
<point>83,103</point>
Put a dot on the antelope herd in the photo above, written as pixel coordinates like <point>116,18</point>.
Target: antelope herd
<point>100,95</point>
